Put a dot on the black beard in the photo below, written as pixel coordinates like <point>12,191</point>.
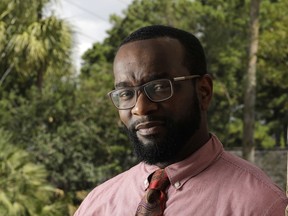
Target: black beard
<point>165,150</point>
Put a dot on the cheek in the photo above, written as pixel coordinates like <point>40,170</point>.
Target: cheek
<point>183,107</point>
<point>183,101</point>
<point>125,116</point>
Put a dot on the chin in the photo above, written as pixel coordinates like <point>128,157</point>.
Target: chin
<point>153,150</point>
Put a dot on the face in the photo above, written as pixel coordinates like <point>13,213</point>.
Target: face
<point>158,131</point>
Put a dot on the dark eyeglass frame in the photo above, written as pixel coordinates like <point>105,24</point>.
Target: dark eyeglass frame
<point>142,89</point>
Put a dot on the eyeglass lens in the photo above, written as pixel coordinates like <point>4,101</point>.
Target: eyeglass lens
<point>156,91</point>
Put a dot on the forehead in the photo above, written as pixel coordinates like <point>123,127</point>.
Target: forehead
<point>141,61</point>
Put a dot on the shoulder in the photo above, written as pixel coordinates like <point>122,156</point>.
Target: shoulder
<point>250,184</point>
<point>96,201</point>
<point>114,182</point>
<point>245,170</point>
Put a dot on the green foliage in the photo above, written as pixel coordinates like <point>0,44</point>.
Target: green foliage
<point>24,189</point>
<point>272,100</point>
<point>70,130</point>
<point>41,44</point>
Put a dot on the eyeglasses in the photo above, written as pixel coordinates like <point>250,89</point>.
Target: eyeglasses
<point>156,90</point>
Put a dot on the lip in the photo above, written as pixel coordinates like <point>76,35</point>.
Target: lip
<point>149,128</point>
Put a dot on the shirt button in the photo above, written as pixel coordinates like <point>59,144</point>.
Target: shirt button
<point>177,184</point>
<point>146,183</point>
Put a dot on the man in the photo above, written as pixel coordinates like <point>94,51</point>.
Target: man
<point>162,92</point>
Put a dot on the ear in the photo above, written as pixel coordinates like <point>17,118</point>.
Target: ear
<point>205,91</point>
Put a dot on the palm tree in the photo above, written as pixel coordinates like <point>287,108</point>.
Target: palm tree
<point>35,44</point>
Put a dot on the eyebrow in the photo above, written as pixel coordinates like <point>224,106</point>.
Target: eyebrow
<point>126,84</point>
<point>122,85</point>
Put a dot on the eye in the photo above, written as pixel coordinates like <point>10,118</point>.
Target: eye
<point>161,87</point>
<point>125,94</point>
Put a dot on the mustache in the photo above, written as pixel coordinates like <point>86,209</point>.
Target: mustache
<point>145,119</point>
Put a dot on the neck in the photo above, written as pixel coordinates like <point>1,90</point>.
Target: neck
<point>193,144</point>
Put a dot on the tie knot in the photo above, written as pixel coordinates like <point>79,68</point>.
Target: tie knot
<point>159,180</point>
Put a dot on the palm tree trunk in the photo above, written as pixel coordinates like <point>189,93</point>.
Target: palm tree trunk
<point>250,84</point>
<point>40,78</point>
<point>5,75</point>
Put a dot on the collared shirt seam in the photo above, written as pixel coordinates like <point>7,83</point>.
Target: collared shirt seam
<point>272,206</point>
<point>255,175</point>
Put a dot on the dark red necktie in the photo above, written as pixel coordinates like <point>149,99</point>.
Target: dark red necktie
<point>153,202</point>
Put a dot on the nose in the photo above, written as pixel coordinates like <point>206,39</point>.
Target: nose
<point>143,105</point>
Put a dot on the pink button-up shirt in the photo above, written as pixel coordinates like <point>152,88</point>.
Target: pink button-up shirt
<point>210,182</point>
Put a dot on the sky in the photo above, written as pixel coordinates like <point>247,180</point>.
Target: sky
<point>90,20</point>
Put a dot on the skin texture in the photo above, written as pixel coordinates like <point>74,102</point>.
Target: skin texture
<point>153,123</point>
